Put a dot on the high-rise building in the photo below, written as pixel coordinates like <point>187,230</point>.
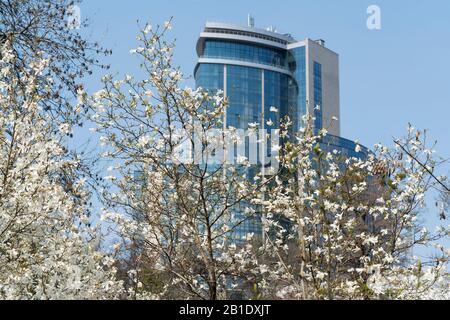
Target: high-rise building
<point>261,70</point>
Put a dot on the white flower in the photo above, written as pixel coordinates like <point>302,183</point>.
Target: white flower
<point>147,29</point>
<point>143,141</point>
<point>273,109</point>
<point>167,25</point>
<point>250,236</point>
<point>323,132</point>
<point>64,128</point>
<point>137,50</point>
<point>321,275</point>
<point>371,240</point>
<point>128,78</point>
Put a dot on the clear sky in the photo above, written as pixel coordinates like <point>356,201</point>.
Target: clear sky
<point>389,77</point>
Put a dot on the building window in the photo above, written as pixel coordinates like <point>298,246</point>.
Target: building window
<point>220,49</point>
<point>318,105</point>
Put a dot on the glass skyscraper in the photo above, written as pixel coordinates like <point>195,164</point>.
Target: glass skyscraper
<point>259,69</point>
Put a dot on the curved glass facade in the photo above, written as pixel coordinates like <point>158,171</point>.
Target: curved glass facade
<point>276,94</point>
<point>297,87</point>
<point>238,51</point>
<point>244,89</point>
<point>252,93</point>
<point>244,92</point>
<point>318,117</point>
<point>308,72</point>
<point>344,146</point>
<point>210,76</point>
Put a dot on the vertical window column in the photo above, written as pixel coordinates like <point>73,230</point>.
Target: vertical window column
<point>318,105</point>
<point>225,95</point>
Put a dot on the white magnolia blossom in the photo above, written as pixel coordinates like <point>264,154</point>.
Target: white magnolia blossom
<point>273,109</point>
<point>350,228</point>
<point>47,248</point>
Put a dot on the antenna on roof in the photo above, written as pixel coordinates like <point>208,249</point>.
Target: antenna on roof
<point>250,21</point>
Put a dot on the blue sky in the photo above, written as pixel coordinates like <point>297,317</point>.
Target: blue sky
<point>389,77</point>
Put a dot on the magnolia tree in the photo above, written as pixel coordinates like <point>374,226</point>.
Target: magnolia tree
<point>50,28</point>
<point>332,226</point>
<point>48,249</point>
<point>353,224</point>
<point>179,217</point>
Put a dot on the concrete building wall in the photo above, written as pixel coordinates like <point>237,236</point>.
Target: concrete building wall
<point>314,52</point>
<point>330,84</point>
